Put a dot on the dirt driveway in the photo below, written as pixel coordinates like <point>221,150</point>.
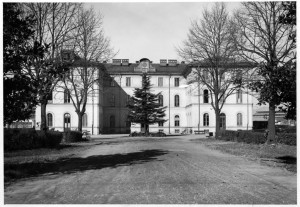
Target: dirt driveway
<point>172,170</point>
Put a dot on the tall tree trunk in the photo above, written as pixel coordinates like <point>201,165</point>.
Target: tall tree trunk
<point>271,123</point>
<point>79,122</point>
<point>217,124</point>
<point>43,116</point>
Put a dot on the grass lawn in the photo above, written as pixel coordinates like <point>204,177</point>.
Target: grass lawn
<point>278,155</point>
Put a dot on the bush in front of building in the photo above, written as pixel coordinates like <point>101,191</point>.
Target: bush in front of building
<point>256,137</point>
<point>73,136</point>
<point>287,138</point>
<point>24,139</point>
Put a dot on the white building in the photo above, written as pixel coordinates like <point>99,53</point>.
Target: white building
<point>187,111</point>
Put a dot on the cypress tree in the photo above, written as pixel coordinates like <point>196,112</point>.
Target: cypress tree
<point>144,106</point>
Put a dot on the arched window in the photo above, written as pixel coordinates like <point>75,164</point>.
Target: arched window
<point>205,119</point>
<point>239,119</point>
<point>239,96</point>
<point>67,98</point>
<point>176,100</point>
<point>205,96</point>
<point>112,121</point>
<point>67,121</point>
<point>177,120</point>
<point>49,120</point>
<point>160,100</point>
<point>84,120</point>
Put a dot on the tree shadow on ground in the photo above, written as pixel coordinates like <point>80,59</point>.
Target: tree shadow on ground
<point>72,165</point>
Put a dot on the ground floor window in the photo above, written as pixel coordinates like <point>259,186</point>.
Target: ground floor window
<point>206,119</point>
<point>49,120</point>
<point>239,119</point>
<point>177,120</point>
<point>67,121</point>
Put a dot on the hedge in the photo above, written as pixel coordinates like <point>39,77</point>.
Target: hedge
<point>73,136</point>
<point>256,137</point>
<point>22,139</point>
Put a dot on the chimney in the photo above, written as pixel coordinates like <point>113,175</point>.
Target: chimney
<point>116,62</point>
<point>163,62</point>
<point>172,62</point>
<point>125,61</point>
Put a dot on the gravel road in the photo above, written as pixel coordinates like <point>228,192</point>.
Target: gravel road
<point>172,170</point>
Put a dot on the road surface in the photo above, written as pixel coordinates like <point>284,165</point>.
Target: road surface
<point>172,170</point>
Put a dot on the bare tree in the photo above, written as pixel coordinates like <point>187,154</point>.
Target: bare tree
<point>211,49</point>
<point>263,39</point>
<point>91,46</point>
<point>54,21</point>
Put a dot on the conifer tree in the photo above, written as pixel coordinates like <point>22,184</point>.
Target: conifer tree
<point>144,106</point>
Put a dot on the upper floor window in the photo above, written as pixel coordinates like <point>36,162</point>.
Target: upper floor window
<point>205,96</point>
<point>176,83</point>
<point>160,100</point>
<point>177,120</point>
<point>67,98</point>
<point>160,81</point>
<point>239,119</point>
<point>161,123</point>
<point>176,101</point>
<point>205,75</point>
<point>112,100</point>
<point>128,81</point>
<point>206,119</point>
<point>49,120</point>
<point>239,96</point>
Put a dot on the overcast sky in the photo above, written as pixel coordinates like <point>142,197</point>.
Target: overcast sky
<point>149,30</point>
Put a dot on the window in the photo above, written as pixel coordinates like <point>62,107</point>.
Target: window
<point>49,120</point>
<point>128,81</point>
<point>206,119</point>
<point>177,131</point>
<point>176,101</point>
<point>239,119</point>
<point>67,121</point>
<point>84,120</point>
<point>161,123</point>
<point>160,81</point>
<point>239,96</point>
<point>67,98</point>
<point>205,74</point>
<point>176,84</point>
<point>160,100</point>
<point>112,100</point>
<point>177,120</point>
<point>222,121</point>
<point>205,96</point>
<point>112,121</point>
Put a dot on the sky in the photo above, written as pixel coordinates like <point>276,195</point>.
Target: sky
<point>149,30</point>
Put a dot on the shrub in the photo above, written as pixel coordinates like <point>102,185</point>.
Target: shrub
<point>73,136</point>
<point>22,139</point>
<point>256,137</point>
<point>287,138</point>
